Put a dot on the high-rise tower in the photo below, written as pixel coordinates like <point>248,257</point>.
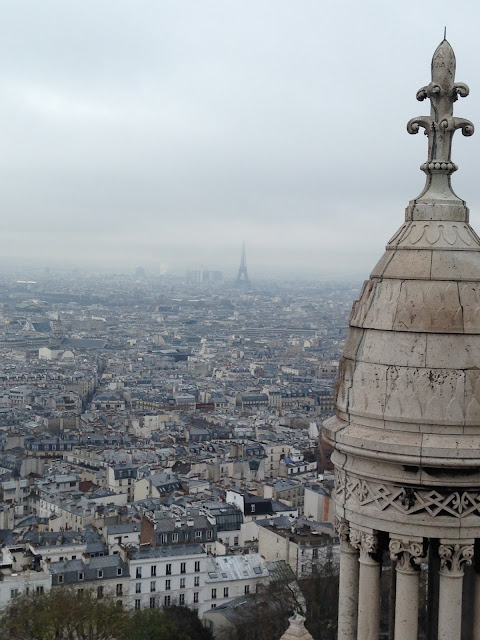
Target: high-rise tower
<point>406,433</point>
<point>242,275</point>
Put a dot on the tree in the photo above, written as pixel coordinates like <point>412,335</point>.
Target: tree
<point>65,614</point>
<point>172,623</point>
<point>61,614</point>
<point>264,615</point>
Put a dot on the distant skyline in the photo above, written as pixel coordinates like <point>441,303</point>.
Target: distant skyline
<point>164,134</point>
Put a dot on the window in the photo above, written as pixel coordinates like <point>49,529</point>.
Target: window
<point>252,508</point>
<point>196,582</point>
<point>119,571</point>
<point>80,590</point>
<point>60,579</point>
<point>314,553</point>
<point>74,557</point>
<point>209,534</point>
<point>100,573</point>
<point>168,571</point>
<point>235,541</point>
<point>198,535</point>
<point>187,536</point>
<point>13,593</point>
<point>100,592</point>
<point>166,601</point>
<point>80,575</point>
<point>138,587</point>
<point>119,589</point>
<point>214,594</point>
<point>214,606</point>
<point>247,589</point>
<point>195,596</point>
<point>167,585</point>
<point>152,603</point>
<point>197,566</point>
<point>153,570</point>
<point>174,537</point>
<point>182,583</point>
<point>225,592</point>
<point>164,538</point>
<point>153,585</point>
<point>139,572</point>
<point>181,600</point>
<point>183,567</point>
<point>137,604</point>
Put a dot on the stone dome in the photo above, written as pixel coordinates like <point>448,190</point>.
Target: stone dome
<point>406,434</point>
<point>408,393</point>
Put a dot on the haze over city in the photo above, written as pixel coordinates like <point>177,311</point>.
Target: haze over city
<point>164,134</point>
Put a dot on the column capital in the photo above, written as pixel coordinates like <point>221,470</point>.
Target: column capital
<point>366,543</point>
<point>342,528</point>
<point>407,553</point>
<point>454,557</point>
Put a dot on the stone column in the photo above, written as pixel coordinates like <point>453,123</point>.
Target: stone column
<point>476,593</point>
<point>408,554</point>
<point>369,584</point>
<point>348,584</point>
<point>453,557</point>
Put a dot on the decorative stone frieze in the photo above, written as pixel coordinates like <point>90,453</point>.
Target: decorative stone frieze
<point>358,493</point>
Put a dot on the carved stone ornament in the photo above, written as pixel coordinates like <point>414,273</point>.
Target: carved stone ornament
<point>440,125</point>
<point>343,529</point>
<point>357,492</point>
<point>453,558</point>
<point>408,554</point>
<point>366,543</point>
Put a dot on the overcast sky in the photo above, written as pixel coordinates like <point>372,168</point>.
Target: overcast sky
<point>163,133</point>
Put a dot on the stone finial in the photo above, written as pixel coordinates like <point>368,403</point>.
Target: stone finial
<point>440,125</point>
<point>296,629</point>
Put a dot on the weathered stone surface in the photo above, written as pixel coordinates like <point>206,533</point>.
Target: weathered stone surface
<point>470,302</point>
<point>445,234</point>
<point>429,306</point>
<point>455,265</point>
<point>450,350</point>
<point>391,347</point>
<point>413,264</point>
<point>381,312</point>
<point>352,343</point>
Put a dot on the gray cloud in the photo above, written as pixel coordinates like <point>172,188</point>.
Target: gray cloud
<point>165,133</point>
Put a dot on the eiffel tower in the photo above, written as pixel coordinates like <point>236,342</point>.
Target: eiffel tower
<point>242,275</point>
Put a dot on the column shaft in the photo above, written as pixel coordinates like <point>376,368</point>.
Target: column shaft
<point>406,605</point>
<point>369,599</point>
<point>450,606</point>
<point>476,607</point>
<point>348,592</point>
<point>453,558</point>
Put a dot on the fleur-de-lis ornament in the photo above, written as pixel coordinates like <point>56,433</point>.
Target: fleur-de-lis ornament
<point>441,124</point>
